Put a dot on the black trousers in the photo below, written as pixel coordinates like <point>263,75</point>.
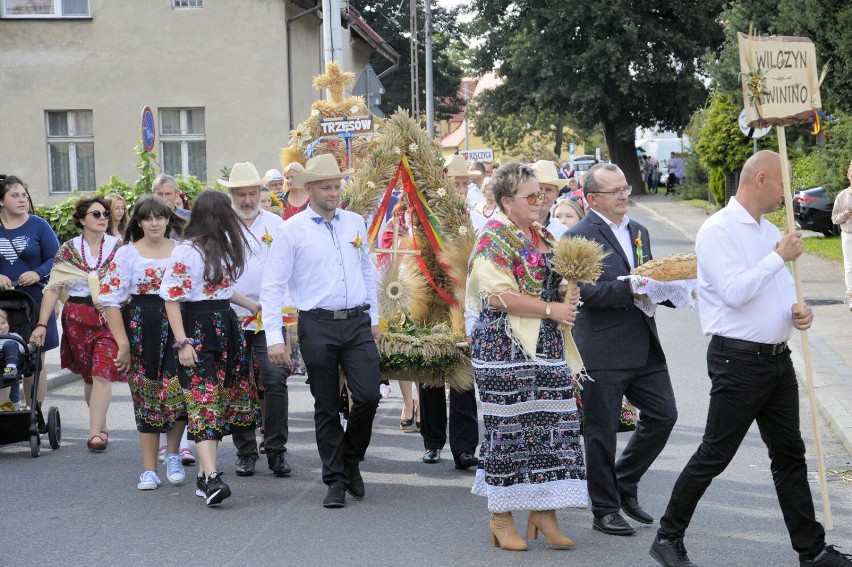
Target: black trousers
<point>747,387</point>
<point>329,345</point>
<point>464,427</point>
<point>648,388</point>
<point>276,401</point>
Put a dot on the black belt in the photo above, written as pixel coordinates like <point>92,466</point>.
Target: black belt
<point>339,315</point>
<point>207,306</point>
<point>146,299</point>
<point>769,349</point>
<point>81,300</point>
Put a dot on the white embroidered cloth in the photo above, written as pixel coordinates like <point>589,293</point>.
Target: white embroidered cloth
<point>682,293</point>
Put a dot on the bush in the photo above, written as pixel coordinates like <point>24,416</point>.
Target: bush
<point>717,185</point>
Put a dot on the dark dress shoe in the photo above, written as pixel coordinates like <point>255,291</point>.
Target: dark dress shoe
<point>670,552</point>
<point>432,456</point>
<point>613,524</point>
<point>336,497</point>
<point>278,464</point>
<point>245,466</point>
<point>630,506</point>
<point>830,556</point>
<point>356,483</point>
<point>466,460</point>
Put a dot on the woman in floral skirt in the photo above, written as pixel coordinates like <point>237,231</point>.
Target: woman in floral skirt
<point>530,458</point>
<point>130,293</point>
<point>87,347</point>
<point>219,391</point>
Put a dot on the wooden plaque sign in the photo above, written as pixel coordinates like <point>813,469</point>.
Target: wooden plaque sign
<point>779,78</point>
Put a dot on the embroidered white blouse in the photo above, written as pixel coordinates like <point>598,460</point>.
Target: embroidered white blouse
<point>184,277</point>
<point>131,274</point>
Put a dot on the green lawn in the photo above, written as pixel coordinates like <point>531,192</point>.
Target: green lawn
<point>825,247</point>
<point>701,204</point>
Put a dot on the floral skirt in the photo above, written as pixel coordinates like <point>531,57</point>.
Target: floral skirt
<point>154,388</point>
<point>531,457</point>
<point>220,392</point>
<point>88,347</point>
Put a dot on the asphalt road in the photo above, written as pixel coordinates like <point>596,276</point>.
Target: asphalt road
<point>72,507</point>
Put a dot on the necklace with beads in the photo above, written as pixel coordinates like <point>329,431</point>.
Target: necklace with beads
<point>488,215</point>
<point>83,254</point>
<point>534,237</point>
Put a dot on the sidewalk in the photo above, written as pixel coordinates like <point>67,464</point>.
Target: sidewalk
<point>830,337</point>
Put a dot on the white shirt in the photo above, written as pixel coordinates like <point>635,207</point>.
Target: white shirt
<point>80,288</point>
<point>477,219</point>
<point>131,274</point>
<point>744,291</point>
<point>322,267</point>
<point>474,195</point>
<point>259,236</point>
<point>622,234</point>
<point>184,277</point>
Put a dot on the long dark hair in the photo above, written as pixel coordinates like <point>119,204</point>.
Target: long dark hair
<point>146,207</point>
<point>216,231</point>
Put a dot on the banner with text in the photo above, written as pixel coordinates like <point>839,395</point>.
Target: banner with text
<point>354,125</point>
<point>478,155</point>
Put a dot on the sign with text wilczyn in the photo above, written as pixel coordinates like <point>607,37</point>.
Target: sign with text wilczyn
<point>779,79</point>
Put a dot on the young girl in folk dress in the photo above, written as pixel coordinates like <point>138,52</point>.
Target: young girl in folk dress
<point>197,287</point>
<point>144,339</point>
<point>87,346</point>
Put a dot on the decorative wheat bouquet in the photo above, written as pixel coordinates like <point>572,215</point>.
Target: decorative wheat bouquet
<point>578,260</point>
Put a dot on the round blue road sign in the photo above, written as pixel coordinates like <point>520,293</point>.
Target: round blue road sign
<point>148,131</point>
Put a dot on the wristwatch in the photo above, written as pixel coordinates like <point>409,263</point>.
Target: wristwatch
<point>547,309</point>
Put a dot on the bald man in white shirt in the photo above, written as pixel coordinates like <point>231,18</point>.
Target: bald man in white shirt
<point>747,303</point>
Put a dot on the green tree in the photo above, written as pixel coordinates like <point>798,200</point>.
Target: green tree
<point>390,18</point>
<point>621,63</point>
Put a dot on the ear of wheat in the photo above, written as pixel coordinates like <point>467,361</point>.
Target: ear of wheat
<point>578,260</point>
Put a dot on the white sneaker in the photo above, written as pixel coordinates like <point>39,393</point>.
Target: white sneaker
<point>384,390</point>
<point>174,469</point>
<point>148,480</point>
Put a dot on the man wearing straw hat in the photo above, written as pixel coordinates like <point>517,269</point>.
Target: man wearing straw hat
<point>321,256</point>
<point>550,183</point>
<point>623,355</point>
<point>457,170</point>
<point>747,303</point>
<point>244,186</point>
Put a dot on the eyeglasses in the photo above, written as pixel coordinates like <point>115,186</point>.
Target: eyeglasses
<point>533,198</point>
<point>618,192</point>
<point>98,214</point>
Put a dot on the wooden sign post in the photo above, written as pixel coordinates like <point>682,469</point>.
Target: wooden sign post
<point>780,87</point>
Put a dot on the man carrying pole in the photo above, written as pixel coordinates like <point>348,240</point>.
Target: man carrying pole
<point>747,302</point>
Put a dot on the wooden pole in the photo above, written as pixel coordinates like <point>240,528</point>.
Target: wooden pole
<point>806,348</point>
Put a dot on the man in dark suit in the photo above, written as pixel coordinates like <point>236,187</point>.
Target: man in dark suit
<point>623,356</point>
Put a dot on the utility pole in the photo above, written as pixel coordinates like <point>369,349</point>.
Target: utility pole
<point>430,99</point>
<point>415,71</point>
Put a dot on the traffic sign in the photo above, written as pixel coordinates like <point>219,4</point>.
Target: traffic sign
<point>749,131</point>
<point>149,134</point>
<point>486,154</point>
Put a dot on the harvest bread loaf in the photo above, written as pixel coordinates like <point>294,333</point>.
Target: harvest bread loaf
<point>674,267</point>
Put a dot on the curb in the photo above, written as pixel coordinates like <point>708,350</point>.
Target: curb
<point>827,392</point>
<point>60,378</point>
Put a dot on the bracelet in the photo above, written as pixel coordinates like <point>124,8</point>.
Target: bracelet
<point>180,343</point>
<point>37,325</point>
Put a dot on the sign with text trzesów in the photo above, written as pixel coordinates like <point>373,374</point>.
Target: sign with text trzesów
<point>355,125</point>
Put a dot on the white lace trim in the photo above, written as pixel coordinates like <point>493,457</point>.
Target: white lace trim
<point>506,364</point>
<point>571,493</point>
<point>502,410</point>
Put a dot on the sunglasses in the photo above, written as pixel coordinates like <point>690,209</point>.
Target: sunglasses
<point>98,214</point>
<point>533,198</point>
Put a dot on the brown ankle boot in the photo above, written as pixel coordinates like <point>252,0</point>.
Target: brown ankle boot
<point>504,534</point>
<point>545,522</point>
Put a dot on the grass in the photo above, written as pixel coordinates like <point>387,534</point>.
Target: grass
<point>701,204</point>
<point>827,247</point>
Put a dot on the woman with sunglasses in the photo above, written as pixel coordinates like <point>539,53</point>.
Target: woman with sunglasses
<point>87,348</point>
<point>530,457</point>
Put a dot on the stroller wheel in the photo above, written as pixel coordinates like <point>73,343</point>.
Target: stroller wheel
<point>54,427</point>
<point>35,444</point>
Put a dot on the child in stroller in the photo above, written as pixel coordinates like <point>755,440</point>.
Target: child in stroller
<point>11,349</point>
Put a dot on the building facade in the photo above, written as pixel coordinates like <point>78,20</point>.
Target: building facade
<point>226,81</point>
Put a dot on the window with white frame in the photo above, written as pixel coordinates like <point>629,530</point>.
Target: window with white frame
<point>183,143</point>
<point>45,9</point>
<point>70,150</point>
<point>187,4</point>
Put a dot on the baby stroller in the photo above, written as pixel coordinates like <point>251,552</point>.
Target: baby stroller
<point>26,424</point>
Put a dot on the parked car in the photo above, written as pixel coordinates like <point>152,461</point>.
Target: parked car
<point>812,211</point>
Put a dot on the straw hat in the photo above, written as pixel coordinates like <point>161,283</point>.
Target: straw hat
<point>456,166</point>
<point>545,172</point>
<point>320,168</point>
<point>244,174</point>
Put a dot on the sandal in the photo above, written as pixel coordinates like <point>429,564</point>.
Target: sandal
<point>96,444</point>
<point>105,436</point>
